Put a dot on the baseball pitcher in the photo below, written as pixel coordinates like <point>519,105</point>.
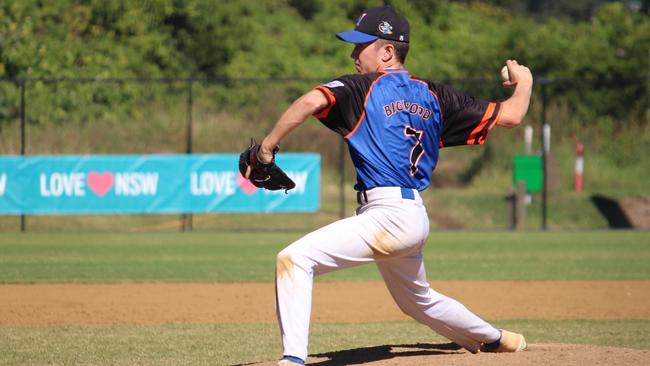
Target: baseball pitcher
<point>394,125</point>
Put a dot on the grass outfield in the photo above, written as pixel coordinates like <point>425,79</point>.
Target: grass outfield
<point>230,344</point>
<point>102,258</point>
<point>174,257</point>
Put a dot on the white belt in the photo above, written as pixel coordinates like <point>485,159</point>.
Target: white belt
<point>379,193</point>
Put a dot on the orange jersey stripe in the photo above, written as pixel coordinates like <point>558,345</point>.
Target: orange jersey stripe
<point>481,138</point>
<point>442,118</point>
<point>488,116</point>
<point>430,91</point>
<point>331,100</point>
<point>363,115</point>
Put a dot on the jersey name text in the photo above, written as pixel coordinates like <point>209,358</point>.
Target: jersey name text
<point>406,106</point>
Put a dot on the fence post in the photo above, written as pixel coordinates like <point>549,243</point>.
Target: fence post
<point>342,184</point>
<point>21,83</point>
<point>520,205</point>
<point>579,169</point>
<point>544,153</point>
<point>186,219</point>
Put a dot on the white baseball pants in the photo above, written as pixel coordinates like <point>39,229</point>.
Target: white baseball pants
<point>390,231</point>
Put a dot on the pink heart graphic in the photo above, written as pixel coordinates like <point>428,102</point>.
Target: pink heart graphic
<point>245,185</point>
<point>100,183</point>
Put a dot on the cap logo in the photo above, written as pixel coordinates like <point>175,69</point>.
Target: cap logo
<point>385,28</point>
<point>359,20</point>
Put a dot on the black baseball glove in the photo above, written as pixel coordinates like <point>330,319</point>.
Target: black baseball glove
<point>263,175</point>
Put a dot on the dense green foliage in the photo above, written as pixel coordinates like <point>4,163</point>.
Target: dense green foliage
<point>570,10</point>
<point>295,39</point>
<point>244,38</point>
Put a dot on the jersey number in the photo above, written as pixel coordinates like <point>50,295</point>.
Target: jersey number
<point>417,151</point>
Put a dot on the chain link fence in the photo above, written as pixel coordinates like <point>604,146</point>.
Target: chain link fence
<point>50,116</point>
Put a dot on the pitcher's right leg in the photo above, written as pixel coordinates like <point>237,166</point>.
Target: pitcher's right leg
<point>335,246</point>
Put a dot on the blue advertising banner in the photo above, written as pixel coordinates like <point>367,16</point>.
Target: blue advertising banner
<point>150,184</point>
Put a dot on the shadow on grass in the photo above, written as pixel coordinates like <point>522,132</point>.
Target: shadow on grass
<point>363,355</point>
<point>378,353</point>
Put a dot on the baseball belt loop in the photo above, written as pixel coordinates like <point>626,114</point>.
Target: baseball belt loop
<point>362,197</point>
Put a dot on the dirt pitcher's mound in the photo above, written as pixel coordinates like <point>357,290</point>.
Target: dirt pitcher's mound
<point>449,354</point>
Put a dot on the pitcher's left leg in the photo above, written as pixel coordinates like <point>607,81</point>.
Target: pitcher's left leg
<point>406,280</point>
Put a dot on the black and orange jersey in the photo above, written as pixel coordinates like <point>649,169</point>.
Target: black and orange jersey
<point>394,124</point>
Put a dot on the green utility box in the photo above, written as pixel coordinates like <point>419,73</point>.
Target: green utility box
<point>528,168</point>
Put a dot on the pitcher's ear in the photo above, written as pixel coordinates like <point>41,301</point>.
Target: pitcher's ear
<point>388,53</point>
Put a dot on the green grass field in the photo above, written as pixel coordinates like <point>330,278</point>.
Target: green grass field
<point>107,258</point>
<point>236,257</point>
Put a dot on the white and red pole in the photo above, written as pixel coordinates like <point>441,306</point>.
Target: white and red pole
<point>580,167</point>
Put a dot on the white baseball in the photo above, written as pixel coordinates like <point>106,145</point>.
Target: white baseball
<point>505,75</point>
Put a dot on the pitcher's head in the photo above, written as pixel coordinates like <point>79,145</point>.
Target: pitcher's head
<point>381,37</point>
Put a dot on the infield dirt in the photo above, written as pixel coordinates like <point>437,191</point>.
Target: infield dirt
<point>164,303</point>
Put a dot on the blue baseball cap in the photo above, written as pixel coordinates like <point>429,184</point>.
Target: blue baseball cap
<point>380,22</point>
